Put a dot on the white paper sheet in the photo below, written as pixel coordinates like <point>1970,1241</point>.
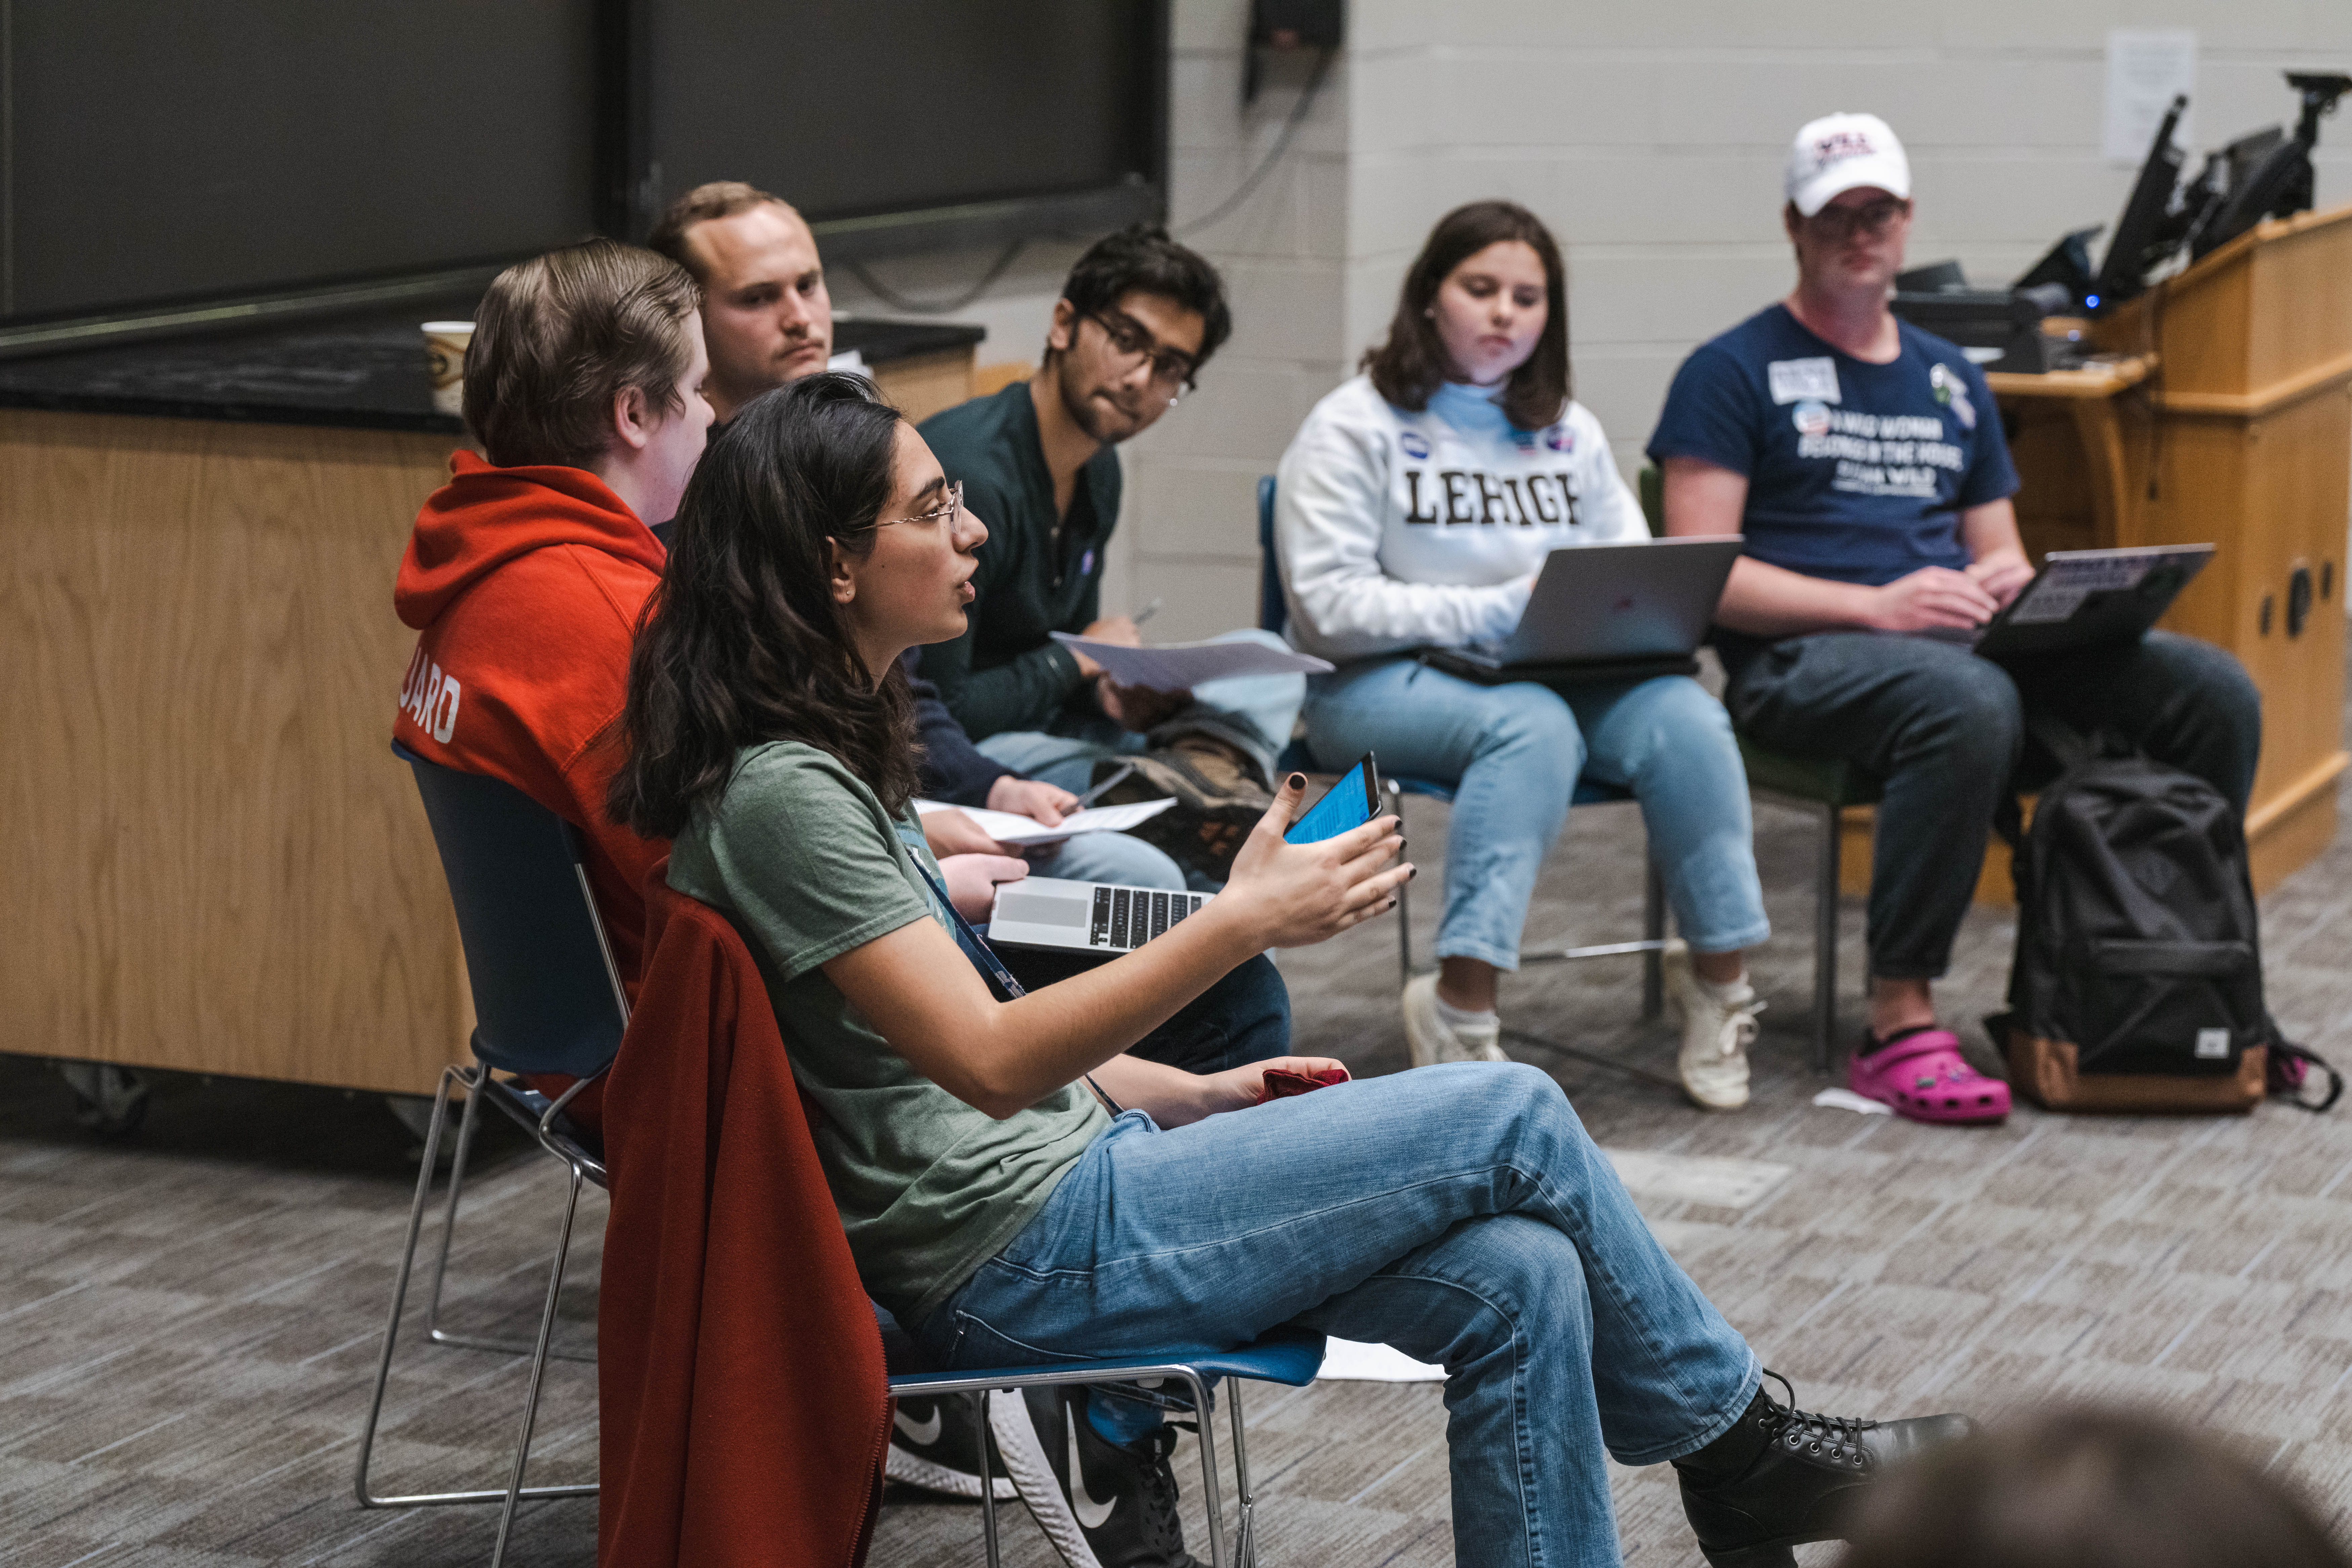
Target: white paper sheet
<point>1181,665</point>
<point>1027,832</point>
<point>1351,1361</point>
<point>2146,67</point>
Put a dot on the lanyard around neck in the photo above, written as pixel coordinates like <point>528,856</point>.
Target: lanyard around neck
<point>991,968</point>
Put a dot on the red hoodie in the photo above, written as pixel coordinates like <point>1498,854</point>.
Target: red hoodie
<point>525,584</point>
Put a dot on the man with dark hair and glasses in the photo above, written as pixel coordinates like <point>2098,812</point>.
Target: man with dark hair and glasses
<point>1863,460</point>
<point>1138,316</point>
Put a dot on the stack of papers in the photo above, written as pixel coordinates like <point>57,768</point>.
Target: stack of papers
<point>1022,832</point>
<point>1181,665</point>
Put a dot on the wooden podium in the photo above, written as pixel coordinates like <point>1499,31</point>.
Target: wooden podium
<point>2224,415</point>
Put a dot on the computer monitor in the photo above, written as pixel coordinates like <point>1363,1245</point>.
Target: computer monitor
<point>2124,271</point>
<point>2279,182</point>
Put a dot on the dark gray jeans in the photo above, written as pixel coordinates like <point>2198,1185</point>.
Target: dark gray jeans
<point>1946,730</point>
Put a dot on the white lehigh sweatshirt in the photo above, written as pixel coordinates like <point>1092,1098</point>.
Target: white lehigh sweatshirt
<point>1397,531</point>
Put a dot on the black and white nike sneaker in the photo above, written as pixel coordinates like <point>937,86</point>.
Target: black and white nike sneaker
<point>1102,1504</point>
<point>935,1444</point>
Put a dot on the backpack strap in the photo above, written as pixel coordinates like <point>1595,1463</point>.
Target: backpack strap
<point>2290,1069</point>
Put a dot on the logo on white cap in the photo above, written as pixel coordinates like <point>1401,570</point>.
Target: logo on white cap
<point>1842,152</point>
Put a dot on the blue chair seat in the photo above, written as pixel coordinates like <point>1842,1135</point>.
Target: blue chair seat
<point>1284,1355</point>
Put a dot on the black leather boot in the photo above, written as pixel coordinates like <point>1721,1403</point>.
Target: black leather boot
<point>1782,1477</point>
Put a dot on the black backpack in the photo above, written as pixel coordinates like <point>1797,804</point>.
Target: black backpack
<point>2138,981</point>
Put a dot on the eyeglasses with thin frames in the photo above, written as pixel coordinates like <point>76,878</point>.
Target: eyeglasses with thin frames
<point>1169,367</point>
<point>939,514</point>
<point>1873,218</point>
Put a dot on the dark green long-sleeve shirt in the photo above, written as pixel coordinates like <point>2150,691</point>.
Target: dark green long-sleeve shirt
<point>1035,577</point>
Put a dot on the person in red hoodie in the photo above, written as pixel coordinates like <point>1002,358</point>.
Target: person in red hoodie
<point>526,572</point>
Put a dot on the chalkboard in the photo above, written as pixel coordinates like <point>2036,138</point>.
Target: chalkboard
<point>159,154</point>
<point>897,105</point>
<point>169,151</point>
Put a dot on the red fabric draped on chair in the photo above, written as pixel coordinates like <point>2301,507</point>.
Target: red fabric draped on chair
<point>745,1415</point>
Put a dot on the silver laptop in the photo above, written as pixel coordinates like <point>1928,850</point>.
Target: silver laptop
<point>1092,917</point>
<point>1614,604</point>
<point>2085,598</point>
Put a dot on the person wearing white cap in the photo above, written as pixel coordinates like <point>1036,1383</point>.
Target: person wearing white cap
<point>1863,460</point>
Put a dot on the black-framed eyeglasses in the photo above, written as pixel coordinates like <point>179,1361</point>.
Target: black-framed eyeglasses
<point>1870,217</point>
<point>943,512</point>
<point>1169,367</point>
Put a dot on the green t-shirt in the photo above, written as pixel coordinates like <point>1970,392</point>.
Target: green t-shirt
<point>801,856</point>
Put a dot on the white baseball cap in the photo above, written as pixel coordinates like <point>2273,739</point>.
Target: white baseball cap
<point>1839,151</point>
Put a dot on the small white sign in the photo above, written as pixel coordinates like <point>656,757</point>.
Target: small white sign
<point>2212,1045</point>
<point>1794,380</point>
<point>2146,67</point>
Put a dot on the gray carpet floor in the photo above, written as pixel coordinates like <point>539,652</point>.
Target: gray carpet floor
<point>190,1315</point>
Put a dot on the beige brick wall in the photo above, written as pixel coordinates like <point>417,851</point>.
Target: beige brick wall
<point>1651,138</point>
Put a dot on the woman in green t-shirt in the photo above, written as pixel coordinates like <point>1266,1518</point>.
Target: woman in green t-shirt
<point>1015,1189</point>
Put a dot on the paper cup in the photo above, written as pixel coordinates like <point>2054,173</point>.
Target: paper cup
<point>445,357</point>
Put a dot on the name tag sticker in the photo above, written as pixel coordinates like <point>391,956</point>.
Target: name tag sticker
<point>1794,380</point>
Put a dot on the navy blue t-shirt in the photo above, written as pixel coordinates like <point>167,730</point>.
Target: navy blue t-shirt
<point>1855,471</point>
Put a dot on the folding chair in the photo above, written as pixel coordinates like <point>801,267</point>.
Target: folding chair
<point>547,999</point>
<point>1273,613</point>
<point>1284,1355</point>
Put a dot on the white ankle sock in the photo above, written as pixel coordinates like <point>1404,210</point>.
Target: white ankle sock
<point>1724,990</point>
<point>1457,1018</point>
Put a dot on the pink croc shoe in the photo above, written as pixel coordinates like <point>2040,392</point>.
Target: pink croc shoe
<point>1921,1074</point>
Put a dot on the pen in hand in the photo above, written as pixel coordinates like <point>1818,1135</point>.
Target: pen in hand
<point>1097,793</point>
<point>1146,612</point>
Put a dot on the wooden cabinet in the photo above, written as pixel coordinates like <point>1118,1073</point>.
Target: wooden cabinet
<point>218,863</point>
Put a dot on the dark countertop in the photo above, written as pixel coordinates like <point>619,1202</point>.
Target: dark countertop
<point>366,372</point>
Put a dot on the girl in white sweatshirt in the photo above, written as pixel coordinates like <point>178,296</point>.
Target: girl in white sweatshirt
<point>1414,509</point>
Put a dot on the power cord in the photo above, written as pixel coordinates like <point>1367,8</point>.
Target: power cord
<point>1274,155</point>
<point>1003,262</point>
<point>898,301</point>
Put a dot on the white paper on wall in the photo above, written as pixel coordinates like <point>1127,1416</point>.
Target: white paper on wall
<point>2146,67</point>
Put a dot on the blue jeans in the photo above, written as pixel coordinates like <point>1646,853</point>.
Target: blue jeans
<point>1512,754</point>
<point>1946,730</point>
<point>1107,858</point>
<point>1267,705</point>
<point>1458,1213</point>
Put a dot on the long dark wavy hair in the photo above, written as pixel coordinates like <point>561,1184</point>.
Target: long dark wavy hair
<point>742,642</point>
<point>1410,365</point>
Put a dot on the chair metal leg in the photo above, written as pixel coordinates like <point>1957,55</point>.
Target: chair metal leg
<point>1204,1406</point>
<point>1246,1534</point>
<point>449,1217</point>
<point>1653,930</point>
<point>987,1483</point>
<point>433,1329</point>
<point>400,1285</point>
<point>539,1367</point>
<point>1825,938</point>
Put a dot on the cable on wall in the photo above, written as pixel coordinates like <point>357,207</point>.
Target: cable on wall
<point>898,301</point>
<point>1274,155</point>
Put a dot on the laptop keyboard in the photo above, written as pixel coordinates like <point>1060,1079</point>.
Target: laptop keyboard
<point>1127,918</point>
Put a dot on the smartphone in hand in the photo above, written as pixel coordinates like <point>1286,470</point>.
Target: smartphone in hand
<point>1352,802</point>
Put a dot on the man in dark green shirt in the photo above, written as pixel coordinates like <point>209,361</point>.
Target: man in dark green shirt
<point>1137,318</point>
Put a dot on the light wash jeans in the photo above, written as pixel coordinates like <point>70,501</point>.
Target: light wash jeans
<point>1107,858</point>
<point>1512,754</point>
<point>1458,1213</point>
<point>1066,755</point>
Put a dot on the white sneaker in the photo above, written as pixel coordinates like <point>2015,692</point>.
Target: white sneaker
<point>1719,1026</point>
<point>1431,1039</point>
